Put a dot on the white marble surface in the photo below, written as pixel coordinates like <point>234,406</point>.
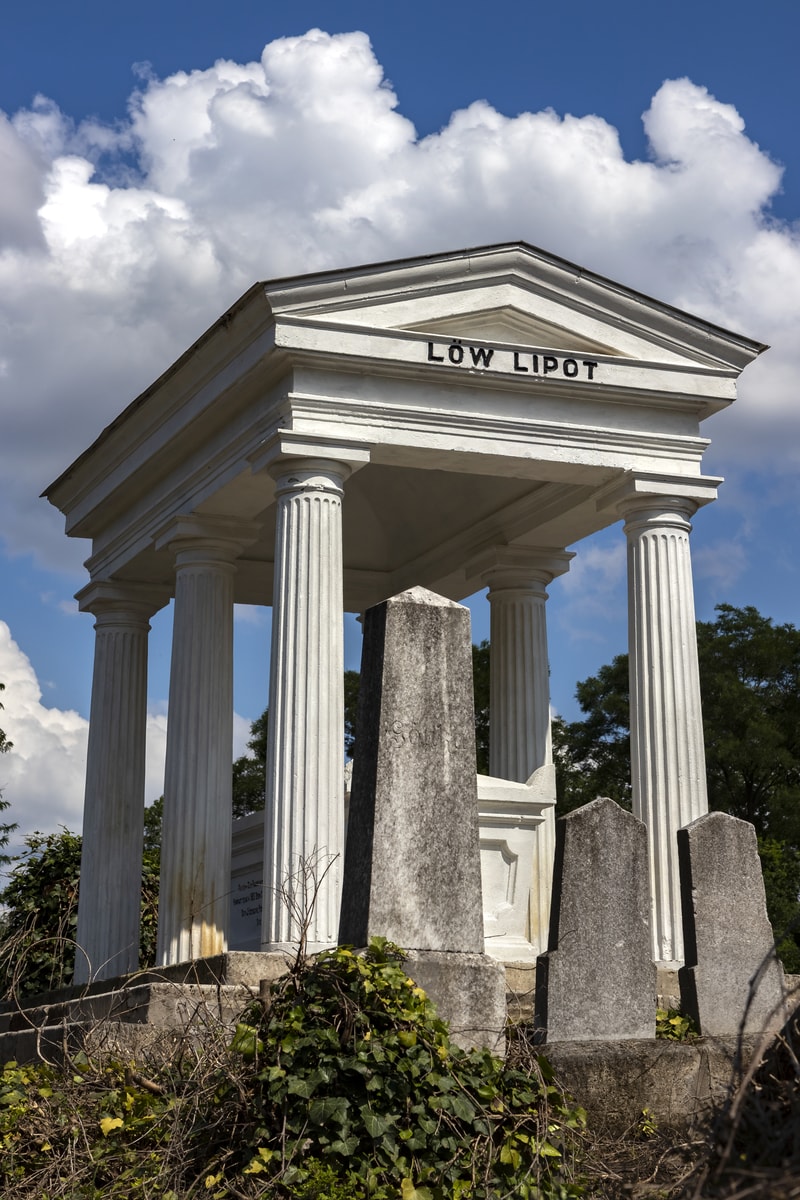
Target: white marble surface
<point>113,822</point>
<point>196,831</point>
<point>668,772</point>
<point>304,814</point>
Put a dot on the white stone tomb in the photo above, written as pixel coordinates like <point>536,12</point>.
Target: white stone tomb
<point>454,421</point>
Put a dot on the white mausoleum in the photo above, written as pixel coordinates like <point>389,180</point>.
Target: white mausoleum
<point>455,421</point>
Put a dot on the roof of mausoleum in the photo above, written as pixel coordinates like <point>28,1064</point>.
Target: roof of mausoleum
<point>501,386</point>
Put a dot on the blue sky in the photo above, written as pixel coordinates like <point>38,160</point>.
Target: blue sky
<point>145,184</point>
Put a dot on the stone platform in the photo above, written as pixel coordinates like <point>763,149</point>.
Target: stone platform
<point>133,1010</point>
<point>679,1083</point>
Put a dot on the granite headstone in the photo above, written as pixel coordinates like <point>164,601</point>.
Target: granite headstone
<point>412,870</point>
<point>732,979</point>
<point>597,979</point>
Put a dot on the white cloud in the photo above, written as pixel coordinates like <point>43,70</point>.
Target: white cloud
<point>42,776</point>
<point>595,577</point>
<point>118,245</point>
<point>722,562</point>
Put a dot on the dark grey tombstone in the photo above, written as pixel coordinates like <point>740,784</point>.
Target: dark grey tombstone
<point>597,979</point>
<point>412,870</point>
<point>732,979</point>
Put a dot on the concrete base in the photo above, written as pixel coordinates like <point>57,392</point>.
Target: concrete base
<point>668,990</point>
<point>520,989</point>
<point>469,991</point>
<point>679,1083</point>
<point>132,1010</point>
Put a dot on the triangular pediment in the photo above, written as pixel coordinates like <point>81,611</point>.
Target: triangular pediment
<point>512,325</point>
<point>512,294</point>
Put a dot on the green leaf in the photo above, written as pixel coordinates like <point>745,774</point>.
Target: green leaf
<point>375,1125</point>
<point>344,1146</point>
<point>246,1041</point>
<point>328,1108</point>
<point>300,1087</point>
<point>462,1107</point>
<point>409,1192</point>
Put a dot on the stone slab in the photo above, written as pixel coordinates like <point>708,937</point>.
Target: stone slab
<point>732,979</point>
<point>597,979</point>
<point>412,869</point>
<point>469,991</point>
<point>680,1083</point>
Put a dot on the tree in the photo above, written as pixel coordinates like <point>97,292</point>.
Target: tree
<point>6,829</point>
<point>750,682</point>
<point>750,686</point>
<point>480,684</point>
<point>592,756</point>
<point>37,940</point>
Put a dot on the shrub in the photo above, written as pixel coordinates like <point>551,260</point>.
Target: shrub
<point>345,1086</point>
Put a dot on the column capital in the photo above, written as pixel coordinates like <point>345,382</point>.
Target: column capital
<point>309,475</point>
<point>504,567</point>
<point>287,447</point>
<point>671,494</point>
<point>110,598</point>
<point>194,537</point>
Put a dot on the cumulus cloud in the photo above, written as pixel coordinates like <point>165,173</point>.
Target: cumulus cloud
<point>589,589</point>
<point>42,776</point>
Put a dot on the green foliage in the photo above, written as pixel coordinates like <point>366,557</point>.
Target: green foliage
<point>37,941</point>
<point>648,1125</point>
<point>780,864</point>
<point>90,1130</point>
<point>593,756</point>
<point>37,952</point>
<point>750,684</point>
<point>750,680</point>
<point>249,770</point>
<point>480,683</point>
<point>6,829</point>
<point>352,1065</point>
<point>345,1087</point>
<point>673,1026</point>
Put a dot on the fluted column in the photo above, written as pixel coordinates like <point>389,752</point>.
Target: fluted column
<point>667,749</point>
<point>113,816</point>
<point>196,838</point>
<point>519,688</point>
<point>304,817</point>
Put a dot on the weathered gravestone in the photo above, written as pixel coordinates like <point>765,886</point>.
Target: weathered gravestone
<point>412,869</point>
<point>597,979</point>
<point>732,979</point>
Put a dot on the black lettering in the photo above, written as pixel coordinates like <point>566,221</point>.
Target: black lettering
<point>480,356</point>
<point>570,368</point>
<point>434,357</point>
<point>590,366</point>
<point>535,358</point>
<point>456,354</point>
<point>517,364</point>
<point>549,363</point>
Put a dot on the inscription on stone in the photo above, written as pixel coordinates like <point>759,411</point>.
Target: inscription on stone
<point>537,363</point>
<point>410,733</point>
<point>248,902</point>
